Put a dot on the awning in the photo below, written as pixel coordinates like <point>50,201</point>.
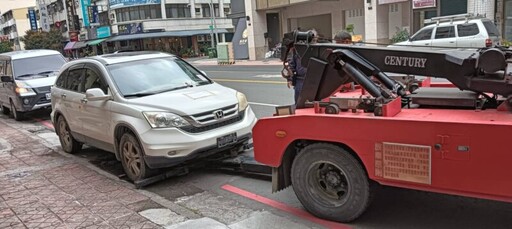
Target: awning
<point>181,33</point>
<point>79,44</point>
<point>96,42</point>
<point>69,45</point>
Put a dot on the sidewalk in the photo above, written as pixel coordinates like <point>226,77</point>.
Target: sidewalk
<point>213,61</point>
<point>44,188</point>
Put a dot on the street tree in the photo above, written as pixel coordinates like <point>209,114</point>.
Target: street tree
<point>43,40</point>
<point>5,46</point>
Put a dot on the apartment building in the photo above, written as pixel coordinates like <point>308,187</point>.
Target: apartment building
<point>184,27</point>
<point>14,23</point>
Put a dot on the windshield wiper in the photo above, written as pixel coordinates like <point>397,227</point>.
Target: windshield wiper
<point>46,72</point>
<point>27,75</point>
<point>176,88</point>
<point>139,94</point>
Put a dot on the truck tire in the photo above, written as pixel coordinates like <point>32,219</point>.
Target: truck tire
<point>330,183</point>
<point>132,158</point>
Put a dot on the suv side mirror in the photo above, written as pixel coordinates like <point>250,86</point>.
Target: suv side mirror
<point>96,94</point>
<point>6,79</point>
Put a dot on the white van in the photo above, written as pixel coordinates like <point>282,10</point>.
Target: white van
<point>26,78</point>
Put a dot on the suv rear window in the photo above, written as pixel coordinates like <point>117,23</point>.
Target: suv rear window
<point>491,28</point>
<point>465,30</point>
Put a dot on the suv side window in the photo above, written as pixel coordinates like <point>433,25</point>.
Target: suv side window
<point>425,34</point>
<point>74,78</point>
<point>465,30</point>
<point>61,80</point>
<point>93,79</point>
<point>445,32</point>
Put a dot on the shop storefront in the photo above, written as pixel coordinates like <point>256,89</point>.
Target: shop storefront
<point>507,20</point>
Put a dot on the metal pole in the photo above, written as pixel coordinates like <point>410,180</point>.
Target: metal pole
<point>212,25</point>
<point>214,21</point>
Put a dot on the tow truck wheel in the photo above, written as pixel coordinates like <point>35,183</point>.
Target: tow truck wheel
<point>330,183</point>
<point>132,158</point>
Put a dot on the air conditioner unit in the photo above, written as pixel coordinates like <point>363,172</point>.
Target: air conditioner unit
<point>200,38</point>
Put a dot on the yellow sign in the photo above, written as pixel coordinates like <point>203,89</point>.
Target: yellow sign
<point>357,38</point>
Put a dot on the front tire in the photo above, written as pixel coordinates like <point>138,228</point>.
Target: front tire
<point>132,158</point>
<point>18,116</point>
<point>67,141</point>
<point>330,183</point>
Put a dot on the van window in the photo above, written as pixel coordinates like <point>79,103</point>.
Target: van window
<point>35,65</point>
<point>445,32</point>
<point>491,28</point>
<point>465,30</point>
<point>425,34</point>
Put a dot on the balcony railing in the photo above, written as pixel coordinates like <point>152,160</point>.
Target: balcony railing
<point>186,24</point>
<point>272,4</point>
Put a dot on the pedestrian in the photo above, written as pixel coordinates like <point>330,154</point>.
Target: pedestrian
<point>343,37</point>
<point>299,71</point>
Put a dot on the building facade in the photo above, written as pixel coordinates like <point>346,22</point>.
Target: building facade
<point>373,21</point>
<point>15,22</point>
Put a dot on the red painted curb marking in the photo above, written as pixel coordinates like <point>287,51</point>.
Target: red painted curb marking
<point>283,207</point>
<point>45,123</point>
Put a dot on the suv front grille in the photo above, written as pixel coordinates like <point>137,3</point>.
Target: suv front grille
<point>207,118</point>
<point>199,129</point>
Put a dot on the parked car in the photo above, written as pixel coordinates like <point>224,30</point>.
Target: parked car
<point>457,31</point>
<point>153,110</point>
<point>26,78</point>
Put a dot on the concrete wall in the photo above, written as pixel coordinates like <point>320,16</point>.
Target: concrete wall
<point>486,7</point>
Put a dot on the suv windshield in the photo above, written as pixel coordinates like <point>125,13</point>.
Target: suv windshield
<point>153,76</point>
<point>37,65</point>
<point>491,28</point>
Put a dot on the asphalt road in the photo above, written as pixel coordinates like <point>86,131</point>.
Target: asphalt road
<point>391,207</point>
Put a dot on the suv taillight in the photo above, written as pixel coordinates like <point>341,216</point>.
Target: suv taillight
<point>488,42</point>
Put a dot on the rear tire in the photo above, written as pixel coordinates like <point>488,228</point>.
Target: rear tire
<point>132,158</point>
<point>15,114</point>
<point>5,110</point>
<point>67,141</point>
<point>330,183</point>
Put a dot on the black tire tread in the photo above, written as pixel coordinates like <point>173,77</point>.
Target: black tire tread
<point>76,145</point>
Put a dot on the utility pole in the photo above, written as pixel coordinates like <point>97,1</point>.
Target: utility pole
<point>213,23</point>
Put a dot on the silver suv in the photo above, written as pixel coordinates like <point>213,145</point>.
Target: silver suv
<point>153,110</point>
<point>457,31</point>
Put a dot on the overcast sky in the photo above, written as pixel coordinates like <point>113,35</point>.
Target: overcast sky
<point>6,5</point>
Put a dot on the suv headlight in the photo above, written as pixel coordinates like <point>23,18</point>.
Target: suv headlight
<point>165,120</point>
<point>24,90</point>
<point>242,101</point>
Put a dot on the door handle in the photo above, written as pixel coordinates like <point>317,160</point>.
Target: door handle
<point>63,96</point>
<point>84,100</point>
<point>451,42</point>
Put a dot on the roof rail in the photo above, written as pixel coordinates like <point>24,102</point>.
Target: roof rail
<point>455,17</point>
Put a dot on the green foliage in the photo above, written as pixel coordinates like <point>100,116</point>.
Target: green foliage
<point>506,43</point>
<point>350,28</point>
<point>5,46</point>
<point>400,35</point>
<point>43,40</point>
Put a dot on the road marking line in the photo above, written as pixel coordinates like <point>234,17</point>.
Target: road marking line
<point>250,81</point>
<point>45,123</point>
<point>281,206</point>
<point>264,104</point>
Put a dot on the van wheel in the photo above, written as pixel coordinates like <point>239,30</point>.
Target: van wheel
<point>5,110</point>
<point>68,143</point>
<point>330,183</point>
<point>132,158</point>
<point>18,116</point>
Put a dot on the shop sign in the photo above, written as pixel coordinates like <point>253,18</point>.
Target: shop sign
<point>420,4</point>
<point>33,19</point>
<point>124,3</point>
<point>381,2</point>
<point>132,28</point>
<point>103,32</point>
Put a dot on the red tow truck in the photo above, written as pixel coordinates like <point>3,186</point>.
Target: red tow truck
<point>335,147</point>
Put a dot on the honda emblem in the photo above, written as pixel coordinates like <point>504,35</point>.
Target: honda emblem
<point>218,114</point>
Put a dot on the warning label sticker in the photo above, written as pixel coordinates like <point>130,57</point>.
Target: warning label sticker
<point>403,162</point>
